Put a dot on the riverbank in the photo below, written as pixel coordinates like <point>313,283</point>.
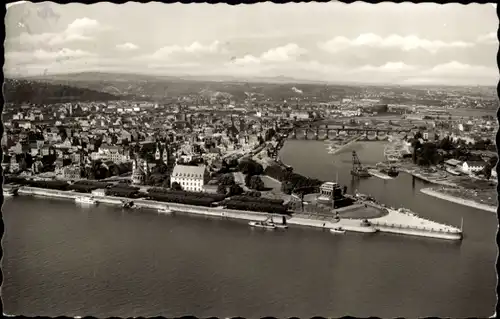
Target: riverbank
<point>466,202</point>
<point>430,179</point>
<point>395,222</point>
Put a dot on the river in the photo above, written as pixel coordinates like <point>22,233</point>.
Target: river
<point>63,259</point>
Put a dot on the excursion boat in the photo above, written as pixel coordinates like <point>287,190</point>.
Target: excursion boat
<point>337,230</point>
<point>262,224</point>
<point>86,200</point>
<point>281,225</point>
<point>164,210</point>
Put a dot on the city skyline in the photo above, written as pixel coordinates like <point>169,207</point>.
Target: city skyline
<point>330,42</point>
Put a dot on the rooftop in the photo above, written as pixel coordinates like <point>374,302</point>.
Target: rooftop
<point>189,171</point>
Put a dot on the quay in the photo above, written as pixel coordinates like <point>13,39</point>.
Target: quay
<point>395,222</point>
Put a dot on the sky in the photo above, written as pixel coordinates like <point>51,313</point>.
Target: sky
<point>385,43</point>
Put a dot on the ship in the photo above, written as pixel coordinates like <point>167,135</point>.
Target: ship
<point>86,200</point>
<point>389,170</point>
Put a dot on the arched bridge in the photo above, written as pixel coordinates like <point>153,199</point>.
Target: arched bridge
<point>327,132</point>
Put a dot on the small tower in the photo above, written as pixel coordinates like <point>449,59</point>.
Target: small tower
<point>165,154</point>
<point>146,170</point>
<point>157,153</point>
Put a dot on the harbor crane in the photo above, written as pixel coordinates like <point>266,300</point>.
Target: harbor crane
<point>357,169</point>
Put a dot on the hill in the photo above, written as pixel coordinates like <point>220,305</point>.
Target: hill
<point>167,87</point>
<point>37,92</point>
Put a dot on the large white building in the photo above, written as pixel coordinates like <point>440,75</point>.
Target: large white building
<point>191,178</point>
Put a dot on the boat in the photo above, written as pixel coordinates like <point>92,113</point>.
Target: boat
<point>9,192</point>
<point>164,210</point>
<point>337,230</point>
<point>128,204</point>
<point>262,224</point>
<point>453,172</point>
<point>86,200</point>
<point>392,171</point>
<point>389,170</point>
<point>362,172</point>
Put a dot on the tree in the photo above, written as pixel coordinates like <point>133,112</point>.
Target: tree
<point>235,190</point>
<point>248,178</point>
<point>166,182</point>
<point>428,154</point>
<point>250,167</point>
<point>269,134</point>
<point>221,189</point>
<point>487,171</point>
<point>176,186</point>
<point>226,179</point>
<point>256,183</point>
<point>446,144</point>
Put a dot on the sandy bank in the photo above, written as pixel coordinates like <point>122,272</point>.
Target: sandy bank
<point>457,200</point>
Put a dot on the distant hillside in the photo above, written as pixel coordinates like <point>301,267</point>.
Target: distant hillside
<point>166,87</point>
<point>28,91</point>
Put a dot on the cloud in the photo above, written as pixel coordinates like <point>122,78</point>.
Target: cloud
<point>405,43</point>
<point>286,53</point>
<point>490,38</point>
<point>41,55</point>
<point>194,48</point>
<point>388,67</point>
<point>76,31</point>
<point>246,60</point>
<point>455,68</point>
<point>127,47</point>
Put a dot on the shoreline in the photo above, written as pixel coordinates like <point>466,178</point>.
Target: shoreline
<point>399,223</point>
<point>458,200</point>
<point>427,179</point>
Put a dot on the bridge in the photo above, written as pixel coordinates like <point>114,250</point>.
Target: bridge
<point>326,132</point>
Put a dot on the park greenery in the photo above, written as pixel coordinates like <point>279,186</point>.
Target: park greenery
<point>427,153</point>
<point>256,206</point>
<point>290,180</point>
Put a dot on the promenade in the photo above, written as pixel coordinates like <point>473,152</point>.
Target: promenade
<point>394,222</point>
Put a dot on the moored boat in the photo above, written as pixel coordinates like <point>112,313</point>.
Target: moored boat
<point>10,192</point>
<point>164,210</point>
<point>128,204</point>
<point>86,200</point>
<point>262,224</point>
<point>337,230</point>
